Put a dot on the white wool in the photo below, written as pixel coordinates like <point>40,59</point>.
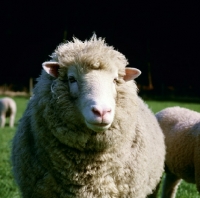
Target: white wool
<point>181,128</point>
<point>8,108</point>
<point>86,133</point>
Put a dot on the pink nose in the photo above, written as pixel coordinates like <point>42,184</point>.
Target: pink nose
<point>100,111</point>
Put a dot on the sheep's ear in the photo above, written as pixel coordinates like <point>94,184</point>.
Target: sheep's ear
<point>131,73</point>
<point>51,68</point>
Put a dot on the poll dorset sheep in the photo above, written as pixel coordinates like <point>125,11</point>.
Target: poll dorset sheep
<point>181,128</point>
<point>8,108</point>
<point>85,132</point>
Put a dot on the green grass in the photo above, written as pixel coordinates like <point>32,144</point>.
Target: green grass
<point>8,188</point>
<point>156,106</point>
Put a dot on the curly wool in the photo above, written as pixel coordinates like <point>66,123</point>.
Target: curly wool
<point>181,128</point>
<point>54,153</point>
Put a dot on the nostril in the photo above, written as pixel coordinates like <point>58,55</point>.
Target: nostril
<point>108,110</point>
<point>105,111</point>
<point>99,111</point>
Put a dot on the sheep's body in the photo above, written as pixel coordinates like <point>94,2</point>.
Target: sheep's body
<point>57,152</point>
<point>8,108</point>
<point>181,128</point>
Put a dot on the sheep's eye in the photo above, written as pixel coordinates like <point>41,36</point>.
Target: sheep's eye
<point>115,80</point>
<point>72,79</point>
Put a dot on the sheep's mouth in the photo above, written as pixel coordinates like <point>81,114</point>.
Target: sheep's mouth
<point>98,127</point>
<point>100,124</point>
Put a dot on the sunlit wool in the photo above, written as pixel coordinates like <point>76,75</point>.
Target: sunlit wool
<point>181,128</point>
<point>85,132</point>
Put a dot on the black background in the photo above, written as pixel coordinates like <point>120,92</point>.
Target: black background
<point>163,34</point>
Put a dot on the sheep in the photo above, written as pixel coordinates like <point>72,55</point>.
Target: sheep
<point>8,108</point>
<point>85,132</point>
<point>181,128</point>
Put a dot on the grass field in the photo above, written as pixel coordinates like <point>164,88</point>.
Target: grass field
<point>8,188</point>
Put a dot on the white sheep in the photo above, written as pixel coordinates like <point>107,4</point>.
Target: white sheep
<point>8,108</point>
<point>181,128</point>
<point>85,132</point>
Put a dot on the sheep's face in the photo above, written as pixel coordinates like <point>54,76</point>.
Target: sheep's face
<point>93,92</point>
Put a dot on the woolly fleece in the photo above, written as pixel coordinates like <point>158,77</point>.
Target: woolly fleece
<point>55,155</point>
<point>181,128</point>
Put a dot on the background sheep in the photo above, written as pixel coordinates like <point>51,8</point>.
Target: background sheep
<point>181,127</point>
<point>85,132</point>
<point>8,108</point>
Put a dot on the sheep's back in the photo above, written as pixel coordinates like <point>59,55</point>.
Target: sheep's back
<point>181,136</point>
<point>8,106</point>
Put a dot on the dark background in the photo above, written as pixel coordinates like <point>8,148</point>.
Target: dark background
<point>160,37</point>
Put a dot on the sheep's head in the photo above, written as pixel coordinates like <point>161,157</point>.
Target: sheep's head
<point>92,74</point>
